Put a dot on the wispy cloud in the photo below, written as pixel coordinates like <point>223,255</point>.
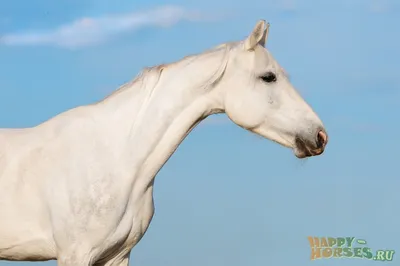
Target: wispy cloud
<point>380,6</point>
<point>288,5</point>
<point>89,31</point>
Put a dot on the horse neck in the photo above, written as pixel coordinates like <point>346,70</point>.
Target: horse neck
<point>151,122</point>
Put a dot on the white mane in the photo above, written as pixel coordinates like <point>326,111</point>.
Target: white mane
<point>148,77</point>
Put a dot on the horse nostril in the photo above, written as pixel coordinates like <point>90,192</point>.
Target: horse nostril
<point>322,139</point>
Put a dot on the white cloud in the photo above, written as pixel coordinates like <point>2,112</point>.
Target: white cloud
<point>90,31</point>
<point>379,6</point>
<point>288,5</point>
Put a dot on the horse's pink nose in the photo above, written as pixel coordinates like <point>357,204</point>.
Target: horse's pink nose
<point>322,139</point>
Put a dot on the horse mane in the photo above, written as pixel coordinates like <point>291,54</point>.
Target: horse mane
<point>154,72</point>
<point>141,77</point>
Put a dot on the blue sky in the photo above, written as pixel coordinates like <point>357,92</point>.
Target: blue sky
<point>227,197</point>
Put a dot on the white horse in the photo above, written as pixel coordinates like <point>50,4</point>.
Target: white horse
<point>78,188</point>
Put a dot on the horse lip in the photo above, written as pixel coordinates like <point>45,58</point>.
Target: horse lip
<point>302,150</point>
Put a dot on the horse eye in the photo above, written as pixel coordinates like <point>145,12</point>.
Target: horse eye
<point>269,77</point>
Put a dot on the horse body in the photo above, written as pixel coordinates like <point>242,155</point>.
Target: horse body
<point>24,228</point>
<point>79,187</point>
<point>63,188</point>
<point>88,179</point>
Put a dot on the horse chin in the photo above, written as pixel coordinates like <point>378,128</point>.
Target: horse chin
<point>301,154</point>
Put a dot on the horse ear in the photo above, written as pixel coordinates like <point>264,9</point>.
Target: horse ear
<point>259,35</point>
<point>264,38</point>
